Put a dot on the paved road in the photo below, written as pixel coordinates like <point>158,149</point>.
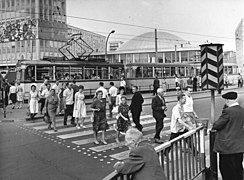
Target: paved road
<point>31,151</point>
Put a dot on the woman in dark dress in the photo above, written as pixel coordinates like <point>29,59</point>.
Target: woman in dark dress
<point>51,104</point>
<point>123,122</point>
<point>99,117</point>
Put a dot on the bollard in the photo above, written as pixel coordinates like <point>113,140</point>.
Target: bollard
<point>213,157</point>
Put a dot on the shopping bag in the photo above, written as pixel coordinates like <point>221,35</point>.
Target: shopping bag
<point>46,118</point>
<point>115,109</point>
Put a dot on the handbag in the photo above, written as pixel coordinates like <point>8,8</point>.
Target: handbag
<point>92,117</point>
<point>115,109</point>
<point>46,118</point>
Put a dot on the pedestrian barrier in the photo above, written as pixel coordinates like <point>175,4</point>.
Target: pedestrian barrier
<point>185,160</point>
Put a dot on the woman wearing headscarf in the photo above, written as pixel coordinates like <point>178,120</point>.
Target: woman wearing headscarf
<point>20,95</point>
<point>51,104</point>
<point>33,102</point>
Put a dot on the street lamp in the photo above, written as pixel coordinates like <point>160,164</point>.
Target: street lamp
<point>113,31</point>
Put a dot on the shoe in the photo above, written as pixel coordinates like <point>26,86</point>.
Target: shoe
<point>115,127</point>
<point>117,141</point>
<point>104,142</point>
<point>158,141</point>
<point>83,126</point>
<point>55,130</point>
<point>96,142</point>
<point>77,126</point>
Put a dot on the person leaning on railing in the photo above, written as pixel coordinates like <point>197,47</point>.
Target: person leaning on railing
<point>143,161</point>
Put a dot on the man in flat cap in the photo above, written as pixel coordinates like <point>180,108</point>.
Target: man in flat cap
<point>229,142</point>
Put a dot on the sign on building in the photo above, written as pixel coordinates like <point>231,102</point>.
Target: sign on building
<point>212,69</point>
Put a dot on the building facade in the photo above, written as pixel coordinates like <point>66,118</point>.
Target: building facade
<point>114,45</point>
<point>239,38</point>
<point>36,29</point>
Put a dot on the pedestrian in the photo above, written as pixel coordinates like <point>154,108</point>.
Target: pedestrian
<point>122,82</point>
<point>195,84</point>
<point>104,95</point>
<point>20,95</point>
<point>41,94</point>
<point>240,80</point>
<point>164,84</point>
<point>68,104</point>
<point>51,104</point>
<point>123,121</point>
<point>80,107</point>
<point>189,113</point>
<point>99,117</point>
<point>177,84</point>
<point>230,137</point>
<point>56,87</point>
<point>189,83</point>
<point>181,84</point>
<point>113,91</point>
<point>178,125</point>
<point>159,108</point>
<point>13,94</point>
<point>33,102</point>
<point>143,161</point>
<point>45,93</point>
<point>136,107</point>
<point>6,86</point>
<point>61,99</point>
<point>156,85</point>
<point>118,97</point>
<point>226,81</point>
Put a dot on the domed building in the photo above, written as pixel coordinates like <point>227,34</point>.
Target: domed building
<point>142,49</point>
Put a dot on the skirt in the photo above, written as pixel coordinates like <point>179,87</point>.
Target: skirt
<point>13,97</point>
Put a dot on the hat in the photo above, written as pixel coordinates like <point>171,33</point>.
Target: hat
<point>230,95</point>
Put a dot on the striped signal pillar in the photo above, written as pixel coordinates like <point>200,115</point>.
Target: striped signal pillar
<point>212,69</point>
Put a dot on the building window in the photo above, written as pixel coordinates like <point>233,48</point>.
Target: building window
<point>129,58</point>
<point>136,58</point>
<point>192,56</point>
<point>167,57</point>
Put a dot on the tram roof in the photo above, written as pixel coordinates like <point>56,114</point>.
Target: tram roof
<point>164,64</point>
<point>67,63</point>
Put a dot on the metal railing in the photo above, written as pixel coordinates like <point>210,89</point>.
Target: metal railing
<point>180,158</point>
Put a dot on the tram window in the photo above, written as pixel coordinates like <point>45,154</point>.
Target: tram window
<point>44,73</point>
<point>173,71</point>
<point>143,57</point>
<point>167,71</point>
<point>30,73</point>
<point>184,56</point>
<point>91,73</point>
<point>168,57</point>
<point>62,73</point>
<point>114,73</point>
<point>76,73</point>
<point>102,73</point>
<point>138,72</point>
<point>181,71</point>
<point>147,72</point>
<point>158,71</point>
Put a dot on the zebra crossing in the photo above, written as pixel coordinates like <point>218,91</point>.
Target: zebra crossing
<point>84,137</point>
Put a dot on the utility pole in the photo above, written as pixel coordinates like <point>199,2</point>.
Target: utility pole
<point>156,46</point>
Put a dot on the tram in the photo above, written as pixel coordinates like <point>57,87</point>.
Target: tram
<point>86,73</point>
<point>142,74</point>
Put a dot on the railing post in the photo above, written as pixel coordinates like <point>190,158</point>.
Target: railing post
<point>213,157</point>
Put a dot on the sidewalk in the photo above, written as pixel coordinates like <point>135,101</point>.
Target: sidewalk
<point>20,114</point>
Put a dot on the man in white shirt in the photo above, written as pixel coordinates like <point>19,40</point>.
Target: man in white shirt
<point>68,104</point>
<point>42,98</point>
<point>178,125</point>
<point>56,87</point>
<point>113,91</point>
<point>105,94</point>
<point>123,83</point>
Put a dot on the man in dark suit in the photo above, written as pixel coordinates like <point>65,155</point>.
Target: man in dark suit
<point>136,107</point>
<point>143,161</point>
<point>159,108</point>
<point>156,85</point>
<point>229,141</point>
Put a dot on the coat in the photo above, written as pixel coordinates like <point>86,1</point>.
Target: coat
<point>143,162</point>
<point>157,105</point>
<point>230,131</point>
<point>136,102</point>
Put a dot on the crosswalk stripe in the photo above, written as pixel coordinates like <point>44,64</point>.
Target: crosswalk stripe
<point>83,133</point>
<point>123,155</point>
<point>74,128</point>
<point>91,140</point>
<point>116,145</point>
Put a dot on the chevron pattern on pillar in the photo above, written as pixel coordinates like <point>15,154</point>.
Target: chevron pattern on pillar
<point>212,66</point>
